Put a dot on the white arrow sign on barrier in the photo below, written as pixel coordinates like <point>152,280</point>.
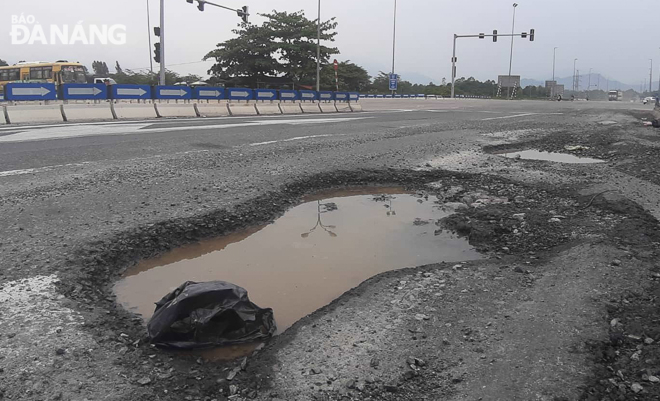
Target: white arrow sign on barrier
<point>325,96</point>
<point>209,93</point>
<point>173,92</point>
<point>240,93</point>
<point>308,96</point>
<point>268,95</point>
<point>288,95</point>
<point>84,91</point>
<point>40,91</point>
<point>341,96</point>
<point>131,92</point>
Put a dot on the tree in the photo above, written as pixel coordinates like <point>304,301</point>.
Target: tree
<point>3,63</point>
<point>352,77</point>
<point>248,55</point>
<point>101,68</point>
<point>284,45</point>
<point>118,68</point>
<point>294,42</point>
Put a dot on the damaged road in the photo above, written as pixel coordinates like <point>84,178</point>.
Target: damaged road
<point>562,307</point>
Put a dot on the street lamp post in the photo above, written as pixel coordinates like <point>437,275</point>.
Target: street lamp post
<point>651,77</point>
<point>513,28</point>
<point>589,84</point>
<point>318,51</point>
<point>574,64</point>
<point>394,40</point>
<point>162,42</point>
<point>554,57</point>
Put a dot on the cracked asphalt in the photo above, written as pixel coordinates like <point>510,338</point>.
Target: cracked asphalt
<point>79,203</point>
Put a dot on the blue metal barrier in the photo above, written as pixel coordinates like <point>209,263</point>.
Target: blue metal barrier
<point>84,91</point>
<point>289,95</point>
<point>28,91</point>
<point>309,95</point>
<point>265,94</point>
<point>130,91</point>
<point>326,96</point>
<point>208,93</point>
<point>172,92</point>
<point>239,94</point>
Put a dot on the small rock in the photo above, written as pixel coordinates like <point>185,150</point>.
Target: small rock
<point>233,373</point>
<point>421,316</point>
<point>614,322</point>
<point>392,387</point>
<point>636,387</point>
<point>519,216</point>
<point>144,381</point>
<point>233,389</point>
<point>654,379</point>
<point>616,262</point>
<point>554,220</point>
<point>316,371</point>
<point>60,351</point>
<point>648,341</point>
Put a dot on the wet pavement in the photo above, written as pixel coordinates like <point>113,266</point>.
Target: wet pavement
<point>550,156</point>
<point>308,257</point>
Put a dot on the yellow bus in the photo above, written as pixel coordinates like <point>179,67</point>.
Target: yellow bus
<point>59,72</point>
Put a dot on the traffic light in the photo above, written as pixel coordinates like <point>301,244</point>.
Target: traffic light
<point>200,5</point>
<point>243,13</point>
<point>531,35</point>
<point>482,35</point>
<point>157,31</point>
<point>523,35</point>
<point>494,35</point>
<point>157,52</point>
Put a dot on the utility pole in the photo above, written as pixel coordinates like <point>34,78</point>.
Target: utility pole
<point>151,62</point>
<point>577,81</point>
<point>554,57</point>
<point>318,51</point>
<point>589,84</point>
<point>394,41</point>
<point>513,28</point>
<point>651,76</point>
<point>162,42</point>
<point>574,77</point>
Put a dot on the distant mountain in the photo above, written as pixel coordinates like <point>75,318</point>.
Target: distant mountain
<point>596,83</point>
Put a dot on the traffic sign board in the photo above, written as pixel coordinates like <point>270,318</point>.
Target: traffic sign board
<point>327,96</point>
<point>239,93</point>
<point>173,92</point>
<point>208,92</point>
<point>84,91</point>
<point>289,95</point>
<point>341,96</point>
<point>394,82</point>
<point>131,91</point>
<point>25,91</point>
<point>265,94</point>
<point>309,95</point>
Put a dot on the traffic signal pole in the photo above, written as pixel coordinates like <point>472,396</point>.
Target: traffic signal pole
<point>242,12</point>
<point>481,36</point>
<point>162,42</point>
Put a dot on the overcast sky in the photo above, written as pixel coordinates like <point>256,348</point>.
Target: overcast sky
<point>613,37</point>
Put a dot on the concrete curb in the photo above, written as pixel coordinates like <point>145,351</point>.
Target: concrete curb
<point>175,110</point>
<point>291,108</point>
<point>328,107</point>
<point>355,107</point>
<point>343,107</point>
<point>88,112</point>
<point>242,109</point>
<point>268,108</point>
<point>310,108</point>
<point>6,114</point>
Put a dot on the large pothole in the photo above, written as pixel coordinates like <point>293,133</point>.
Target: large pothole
<point>311,255</point>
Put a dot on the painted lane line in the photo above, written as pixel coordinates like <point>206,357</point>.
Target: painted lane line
<point>298,138</point>
<point>44,169</point>
<point>68,131</point>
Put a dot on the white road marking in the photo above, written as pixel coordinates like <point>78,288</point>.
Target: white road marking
<point>44,169</point>
<point>520,115</point>
<point>70,131</point>
<point>298,138</point>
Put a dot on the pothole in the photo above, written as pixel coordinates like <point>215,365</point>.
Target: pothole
<point>308,257</point>
<point>550,156</point>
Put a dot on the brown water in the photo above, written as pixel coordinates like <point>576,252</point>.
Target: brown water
<point>550,156</point>
<point>309,256</point>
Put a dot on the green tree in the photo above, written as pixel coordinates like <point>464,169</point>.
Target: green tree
<point>3,63</point>
<point>100,68</point>
<point>284,45</point>
<point>118,68</point>
<point>248,55</point>
<point>352,77</point>
<point>294,42</point>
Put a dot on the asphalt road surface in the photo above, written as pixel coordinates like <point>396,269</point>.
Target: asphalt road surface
<point>80,202</point>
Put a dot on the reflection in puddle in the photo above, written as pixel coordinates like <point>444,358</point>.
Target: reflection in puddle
<point>309,256</point>
<point>549,156</point>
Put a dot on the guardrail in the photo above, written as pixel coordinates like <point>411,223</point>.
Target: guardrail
<point>22,91</point>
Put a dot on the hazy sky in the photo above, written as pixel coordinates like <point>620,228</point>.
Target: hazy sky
<point>614,37</point>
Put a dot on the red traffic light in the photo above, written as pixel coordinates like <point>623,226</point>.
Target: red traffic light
<point>494,35</point>
<point>531,35</point>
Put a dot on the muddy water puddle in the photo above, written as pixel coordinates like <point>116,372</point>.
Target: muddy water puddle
<point>311,255</point>
<point>550,156</point>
